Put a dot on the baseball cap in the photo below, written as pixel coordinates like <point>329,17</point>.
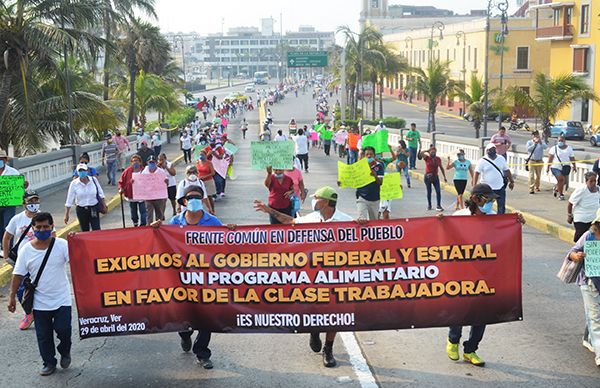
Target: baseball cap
<point>82,166</point>
<point>490,146</point>
<point>30,194</point>
<point>483,189</point>
<point>326,192</point>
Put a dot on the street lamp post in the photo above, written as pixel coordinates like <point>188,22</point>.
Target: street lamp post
<point>503,7</point>
<point>440,26</point>
<point>463,35</point>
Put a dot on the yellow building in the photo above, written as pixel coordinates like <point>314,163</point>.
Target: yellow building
<point>463,45</point>
<point>573,30</point>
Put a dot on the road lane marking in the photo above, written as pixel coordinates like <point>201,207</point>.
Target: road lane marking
<point>358,361</point>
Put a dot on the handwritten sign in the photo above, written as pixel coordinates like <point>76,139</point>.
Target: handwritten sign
<point>231,148</point>
<point>12,190</point>
<point>277,154</point>
<point>221,166</point>
<point>390,188</point>
<point>378,140</point>
<point>148,187</point>
<point>355,175</point>
<point>592,258</point>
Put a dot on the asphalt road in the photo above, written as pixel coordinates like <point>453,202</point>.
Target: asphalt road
<point>544,350</point>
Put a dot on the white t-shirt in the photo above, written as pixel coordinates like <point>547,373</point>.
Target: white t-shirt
<point>585,204</point>
<point>281,138</point>
<point>301,144</point>
<point>564,156</point>
<point>489,174</point>
<point>185,183</point>
<point>186,142</point>
<point>17,225</point>
<point>315,217</point>
<point>53,290</point>
<point>9,171</point>
<point>171,178</point>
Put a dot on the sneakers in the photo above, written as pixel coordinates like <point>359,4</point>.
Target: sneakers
<point>328,359</point>
<point>428,207</point>
<point>586,344</point>
<point>561,197</point>
<point>439,209</point>
<point>205,363</point>
<point>474,359</point>
<point>65,361</point>
<point>186,343</point>
<point>315,342</point>
<point>26,322</point>
<point>452,351</point>
<point>47,370</point>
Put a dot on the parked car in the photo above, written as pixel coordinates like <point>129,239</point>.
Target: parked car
<point>571,129</point>
<point>595,140</point>
<point>492,116</point>
<point>239,97</point>
<point>250,89</point>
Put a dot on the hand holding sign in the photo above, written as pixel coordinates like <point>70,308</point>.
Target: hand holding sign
<point>355,175</point>
<point>278,154</point>
<point>391,188</point>
<point>149,187</point>
<point>12,190</point>
<point>378,140</point>
<point>592,258</point>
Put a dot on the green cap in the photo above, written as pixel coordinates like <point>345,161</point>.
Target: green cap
<point>326,192</point>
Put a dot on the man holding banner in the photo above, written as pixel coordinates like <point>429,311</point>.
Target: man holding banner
<point>324,205</point>
<point>367,197</point>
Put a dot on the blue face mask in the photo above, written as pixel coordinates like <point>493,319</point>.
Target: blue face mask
<point>202,157</point>
<point>42,235</point>
<point>152,166</point>
<point>561,143</point>
<point>82,174</point>
<point>487,208</point>
<point>1,163</point>
<point>461,158</point>
<point>195,205</point>
<point>370,160</point>
<point>278,176</point>
<point>136,165</point>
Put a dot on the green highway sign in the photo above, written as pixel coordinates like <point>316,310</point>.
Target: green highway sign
<point>307,59</point>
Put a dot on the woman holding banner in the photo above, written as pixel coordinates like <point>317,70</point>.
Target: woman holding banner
<point>281,189</point>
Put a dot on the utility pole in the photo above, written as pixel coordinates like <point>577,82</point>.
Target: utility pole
<point>343,86</point>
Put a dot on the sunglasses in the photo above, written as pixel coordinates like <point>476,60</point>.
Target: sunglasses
<point>189,197</point>
<point>486,199</point>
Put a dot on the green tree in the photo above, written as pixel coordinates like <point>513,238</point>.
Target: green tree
<point>391,65</point>
<point>434,83</point>
<point>551,95</point>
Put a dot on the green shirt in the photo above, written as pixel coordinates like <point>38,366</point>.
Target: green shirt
<point>415,136</point>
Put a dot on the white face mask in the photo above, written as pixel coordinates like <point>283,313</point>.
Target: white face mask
<point>33,207</point>
<point>313,204</point>
<point>192,178</point>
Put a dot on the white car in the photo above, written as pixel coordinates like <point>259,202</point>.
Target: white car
<point>249,89</point>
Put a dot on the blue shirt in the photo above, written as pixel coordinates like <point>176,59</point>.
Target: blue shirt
<point>371,192</point>
<point>206,220</point>
<point>91,172</point>
<point>461,169</point>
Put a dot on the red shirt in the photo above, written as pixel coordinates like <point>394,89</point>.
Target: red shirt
<point>277,198</point>
<point>204,170</point>
<point>125,183</point>
<point>432,165</point>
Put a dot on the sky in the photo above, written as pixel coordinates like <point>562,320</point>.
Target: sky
<point>206,16</point>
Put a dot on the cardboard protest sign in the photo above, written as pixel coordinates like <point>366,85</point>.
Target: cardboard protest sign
<point>377,140</point>
<point>12,190</point>
<point>148,187</point>
<point>231,148</point>
<point>355,175</point>
<point>592,258</point>
<point>276,154</point>
<point>390,188</point>
<point>221,166</point>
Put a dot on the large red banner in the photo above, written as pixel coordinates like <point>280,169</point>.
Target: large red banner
<point>396,274</point>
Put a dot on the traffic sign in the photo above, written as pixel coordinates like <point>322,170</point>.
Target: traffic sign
<point>307,59</point>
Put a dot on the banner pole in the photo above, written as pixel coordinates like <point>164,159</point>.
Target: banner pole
<point>122,211</point>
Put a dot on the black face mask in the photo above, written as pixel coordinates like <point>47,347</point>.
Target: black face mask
<point>491,153</point>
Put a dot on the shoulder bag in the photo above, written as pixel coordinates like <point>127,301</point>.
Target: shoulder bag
<point>569,270</point>
<point>14,251</point>
<point>565,169</point>
<point>27,300</point>
<point>100,206</point>
<point>529,158</point>
<point>504,178</point>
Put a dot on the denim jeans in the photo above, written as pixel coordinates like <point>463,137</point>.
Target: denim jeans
<point>111,171</point>
<point>327,146</point>
<point>200,347</point>
<point>501,200</point>
<point>48,322</point>
<point>220,183</point>
<point>412,159</point>
<point>133,208</point>
<point>157,150</point>
<point>406,174</point>
<point>475,337</point>
<point>352,156</point>
<point>435,182</point>
<point>6,213</point>
<point>591,305</point>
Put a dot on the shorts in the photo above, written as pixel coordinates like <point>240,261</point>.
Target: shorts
<point>211,188</point>
<point>460,185</point>
<point>172,192</point>
<point>556,172</point>
<point>385,205</point>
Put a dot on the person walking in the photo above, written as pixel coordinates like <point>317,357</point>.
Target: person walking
<point>169,169</point>
<point>244,127</point>
<point>206,173</point>
<point>583,205</point>
<point>281,189</point>
<point>194,215</point>
<point>413,136</point>
<point>340,140</point>
<point>559,158</point>
<point>280,136</point>
<point>20,232</point>
<point>402,155</point>
<point>352,143</point>
<point>493,171</point>
<point>85,192</point>
<point>191,179</point>
<point>145,152</point>
<point>536,147</point>
<point>185,142</point>
<point>368,196</point>
<point>122,145</point>
<point>502,142</point>
<point>156,142</point>
<point>137,208</point>
<point>155,207</point>
<point>301,148</point>
<point>110,152</point>
<point>461,166</point>
<point>324,206</point>
<point>52,302</point>
<point>433,164</point>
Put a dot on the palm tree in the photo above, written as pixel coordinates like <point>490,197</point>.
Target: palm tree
<point>434,83</point>
<point>117,14</point>
<point>551,95</point>
<point>474,99</point>
<point>144,48</point>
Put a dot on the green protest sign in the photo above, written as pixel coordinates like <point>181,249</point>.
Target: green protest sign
<point>390,188</point>
<point>231,148</point>
<point>12,189</point>
<point>592,258</point>
<point>377,140</point>
<point>355,175</point>
<point>326,134</point>
<point>276,154</point>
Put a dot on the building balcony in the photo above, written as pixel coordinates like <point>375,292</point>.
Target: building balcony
<point>553,21</point>
<point>554,33</point>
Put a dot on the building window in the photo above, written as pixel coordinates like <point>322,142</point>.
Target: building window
<point>313,41</point>
<point>556,17</point>
<point>580,60</point>
<point>475,58</point>
<point>568,16</point>
<point>585,19</point>
<point>522,58</point>
<point>374,3</point>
